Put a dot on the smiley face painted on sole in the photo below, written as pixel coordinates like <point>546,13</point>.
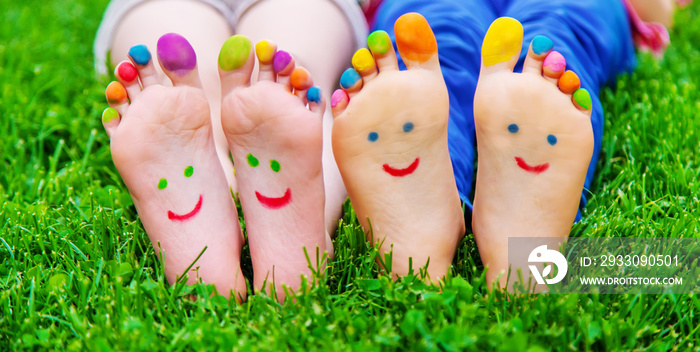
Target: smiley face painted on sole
<point>395,171</point>
<point>265,201</point>
<point>520,161</point>
<point>180,217</point>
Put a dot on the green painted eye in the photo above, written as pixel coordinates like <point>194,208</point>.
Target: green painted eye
<point>252,161</point>
<point>162,183</point>
<point>189,171</point>
<point>275,165</point>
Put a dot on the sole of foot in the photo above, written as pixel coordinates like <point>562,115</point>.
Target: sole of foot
<point>162,145</point>
<point>390,143</point>
<point>274,131</point>
<point>535,142</point>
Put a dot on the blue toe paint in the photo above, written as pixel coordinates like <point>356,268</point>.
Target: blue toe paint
<point>140,54</point>
<point>513,128</point>
<point>408,127</point>
<point>552,139</point>
<point>349,78</point>
<point>314,95</point>
<point>542,45</point>
<point>373,136</point>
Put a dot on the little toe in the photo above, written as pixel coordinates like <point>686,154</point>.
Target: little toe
<point>569,82</point>
<point>141,57</point>
<point>553,66</point>
<point>351,82</point>
<point>540,47</point>
<point>178,60</point>
<point>316,101</point>
<point>301,81</point>
<point>416,42</point>
<point>339,101</point>
<point>117,97</point>
<point>284,64</point>
<point>110,120</point>
<point>127,75</point>
<point>236,62</point>
<point>502,44</point>
<point>582,101</point>
<point>364,64</point>
<point>265,51</point>
<point>382,49</point>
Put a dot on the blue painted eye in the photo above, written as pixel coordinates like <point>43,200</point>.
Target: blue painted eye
<point>513,128</point>
<point>373,136</point>
<point>551,139</point>
<point>408,127</point>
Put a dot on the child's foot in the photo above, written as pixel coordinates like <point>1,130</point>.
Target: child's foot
<point>162,145</point>
<point>276,144</point>
<point>390,142</point>
<point>535,142</point>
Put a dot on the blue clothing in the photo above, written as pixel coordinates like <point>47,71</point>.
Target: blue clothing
<point>594,36</point>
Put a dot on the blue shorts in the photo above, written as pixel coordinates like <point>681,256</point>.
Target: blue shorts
<point>593,35</point>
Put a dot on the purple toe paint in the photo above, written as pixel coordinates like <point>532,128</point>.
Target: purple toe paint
<point>176,54</point>
<point>281,60</point>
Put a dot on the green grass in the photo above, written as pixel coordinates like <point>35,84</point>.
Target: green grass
<point>77,271</point>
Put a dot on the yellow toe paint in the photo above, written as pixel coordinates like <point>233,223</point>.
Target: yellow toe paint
<point>363,61</point>
<point>503,41</point>
<point>414,38</point>
<point>265,51</point>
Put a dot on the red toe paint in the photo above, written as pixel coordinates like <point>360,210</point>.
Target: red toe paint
<point>275,203</point>
<point>537,169</point>
<point>402,172</point>
<point>177,217</point>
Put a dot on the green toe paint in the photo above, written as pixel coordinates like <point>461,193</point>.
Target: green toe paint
<point>189,171</point>
<point>583,98</point>
<point>252,161</point>
<point>275,165</point>
<point>162,183</point>
<point>234,53</point>
<point>379,42</point>
<point>109,115</point>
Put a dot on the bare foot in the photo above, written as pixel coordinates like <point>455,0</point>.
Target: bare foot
<point>660,11</point>
<point>390,142</point>
<point>276,143</point>
<point>535,142</point>
<point>162,145</point>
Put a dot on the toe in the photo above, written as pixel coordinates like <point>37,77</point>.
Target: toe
<point>351,82</point>
<point>178,60</point>
<point>553,66</point>
<point>379,43</point>
<point>364,64</point>
<point>141,57</point>
<point>582,101</point>
<point>301,81</point>
<point>416,42</point>
<point>502,44</point>
<point>569,82</point>
<point>283,64</point>
<point>316,101</point>
<point>127,75</point>
<point>540,47</point>
<point>117,97</point>
<point>265,51</point>
<point>236,62</point>
<point>339,101</point>
<point>110,120</point>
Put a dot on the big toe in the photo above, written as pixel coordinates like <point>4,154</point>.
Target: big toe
<point>178,60</point>
<point>502,44</point>
<point>416,42</point>
<point>236,62</point>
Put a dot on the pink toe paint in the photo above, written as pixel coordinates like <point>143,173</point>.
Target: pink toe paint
<point>177,217</point>
<point>337,97</point>
<point>281,60</point>
<point>176,54</point>
<point>402,172</point>
<point>537,169</point>
<point>555,62</point>
<point>275,203</point>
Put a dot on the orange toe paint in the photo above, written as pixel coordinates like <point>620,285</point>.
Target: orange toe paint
<point>415,38</point>
<point>300,78</point>
<point>569,82</point>
<point>115,93</point>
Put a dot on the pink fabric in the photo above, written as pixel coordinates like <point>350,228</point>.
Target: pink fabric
<point>648,36</point>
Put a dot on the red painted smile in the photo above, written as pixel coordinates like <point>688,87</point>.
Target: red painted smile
<point>177,217</point>
<point>402,172</point>
<point>537,169</point>
<point>275,203</point>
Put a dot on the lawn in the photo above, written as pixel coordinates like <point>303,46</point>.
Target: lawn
<point>77,271</point>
